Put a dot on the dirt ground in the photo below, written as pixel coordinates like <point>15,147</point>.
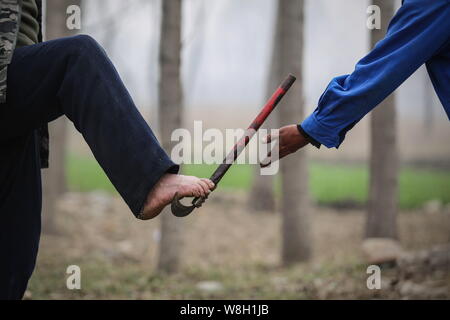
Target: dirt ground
<point>228,253</point>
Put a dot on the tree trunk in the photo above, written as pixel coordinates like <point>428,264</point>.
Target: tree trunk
<point>295,204</point>
<point>428,104</point>
<point>262,195</point>
<point>170,111</point>
<point>54,178</point>
<point>382,205</point>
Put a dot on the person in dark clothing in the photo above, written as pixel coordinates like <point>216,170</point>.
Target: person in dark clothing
<point>418,34</point>
<point>40,82</point>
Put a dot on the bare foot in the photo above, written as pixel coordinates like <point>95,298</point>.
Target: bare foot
<point>163,192</point>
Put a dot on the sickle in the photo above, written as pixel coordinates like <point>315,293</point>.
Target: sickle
<point>181,210</point>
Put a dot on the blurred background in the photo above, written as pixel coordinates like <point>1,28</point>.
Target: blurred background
<point>308,233</point>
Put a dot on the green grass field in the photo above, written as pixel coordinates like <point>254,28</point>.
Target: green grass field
<point>330,184</point>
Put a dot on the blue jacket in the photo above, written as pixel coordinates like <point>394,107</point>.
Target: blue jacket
<point>418,34</point>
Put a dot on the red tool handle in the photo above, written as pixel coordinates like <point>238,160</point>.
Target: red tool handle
<point>180,210</point>
<point>251,130</point>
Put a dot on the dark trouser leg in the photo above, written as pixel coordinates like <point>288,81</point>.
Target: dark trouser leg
<point>20,213</point>
<point>73,76</point>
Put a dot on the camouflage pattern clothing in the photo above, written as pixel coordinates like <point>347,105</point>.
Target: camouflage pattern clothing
<point>9,28</point>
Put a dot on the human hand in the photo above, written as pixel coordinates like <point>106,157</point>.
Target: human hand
<point>290,140</point>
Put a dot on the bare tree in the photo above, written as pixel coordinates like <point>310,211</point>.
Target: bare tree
<point>262,195</point>
<point>295,202</point>
<point>382,206</point>
<point>170,112</point>
<point>54,179</point>
<point>428,103</point>
<point>195,44</point>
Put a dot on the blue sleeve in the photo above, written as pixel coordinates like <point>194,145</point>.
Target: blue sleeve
<point>416,33</point>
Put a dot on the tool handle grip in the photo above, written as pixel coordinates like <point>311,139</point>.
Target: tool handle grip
<point>181,210</point>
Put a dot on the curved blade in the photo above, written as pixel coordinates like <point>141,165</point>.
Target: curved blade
<point>179,209</point>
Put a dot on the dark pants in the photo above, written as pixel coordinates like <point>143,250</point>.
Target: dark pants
<point>72,77</point>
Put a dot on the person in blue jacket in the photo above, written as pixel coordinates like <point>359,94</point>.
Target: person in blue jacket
<point>418,34</point>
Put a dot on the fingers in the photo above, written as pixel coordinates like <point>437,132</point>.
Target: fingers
<point>289,141</point>
<point>209,182</point>
<point>283,152</point>
<point>202,188</point>
<point>266,161</point>
<point>198,191</point>
<point>268,139</point>
<point>205,187</point>
<point>198,187</point>
<point>271,137</point>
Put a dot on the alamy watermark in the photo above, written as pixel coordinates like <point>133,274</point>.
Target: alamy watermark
<point>73,21</point>
<point>73,281</point>
<point>374,280</point>
<point>211,146</point>
<point>374,19</point>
